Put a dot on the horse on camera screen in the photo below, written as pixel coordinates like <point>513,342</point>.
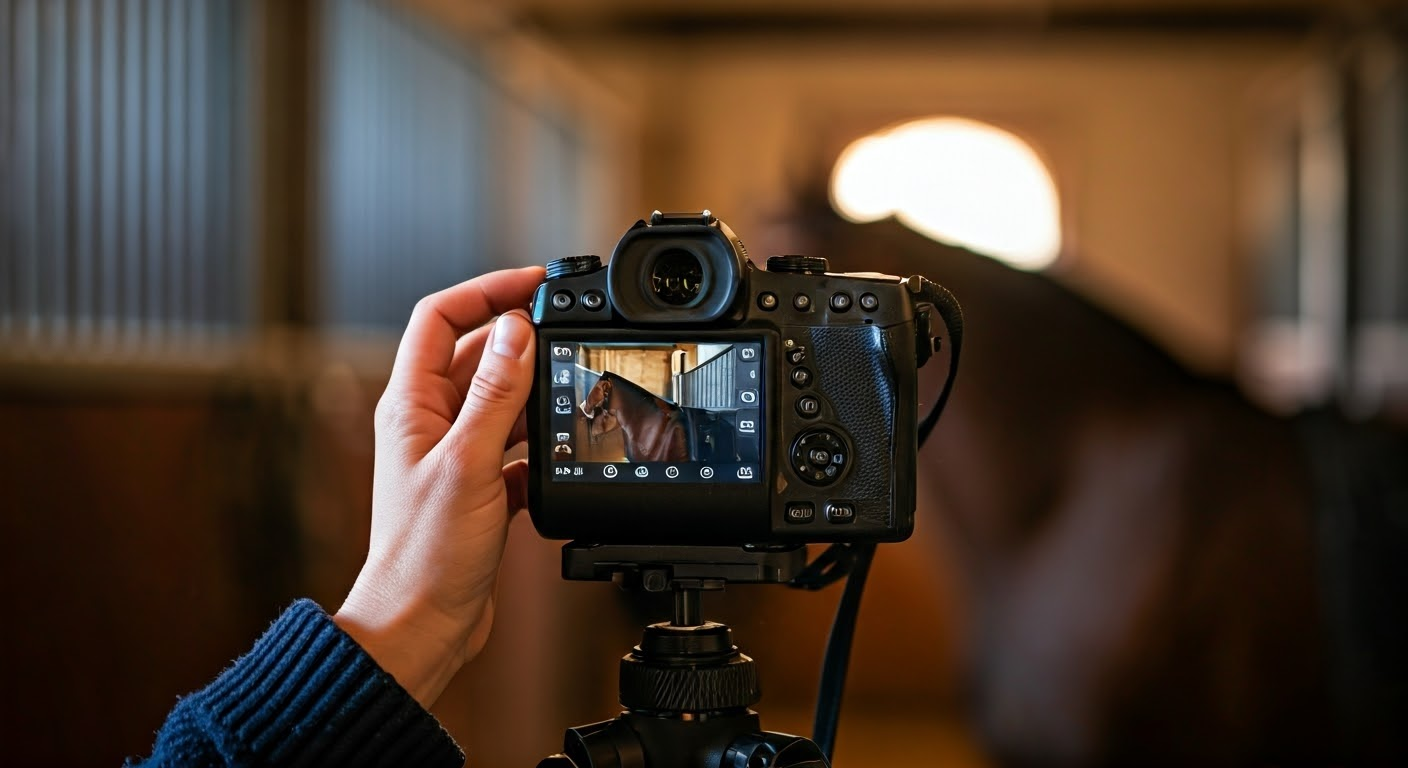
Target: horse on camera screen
<point>656,429</point>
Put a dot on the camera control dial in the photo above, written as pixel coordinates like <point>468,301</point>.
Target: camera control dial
<point>798,265</point>
<point>573,265</point>
<point>820,456</point>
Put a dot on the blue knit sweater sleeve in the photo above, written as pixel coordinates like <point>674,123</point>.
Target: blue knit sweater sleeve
<point>306,694</point>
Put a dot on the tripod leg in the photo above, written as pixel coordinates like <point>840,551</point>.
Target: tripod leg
<point>607,744</point>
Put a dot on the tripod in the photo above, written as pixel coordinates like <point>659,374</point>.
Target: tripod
<point>686,688</point>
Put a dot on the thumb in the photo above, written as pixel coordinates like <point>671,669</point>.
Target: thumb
<point>500,386</point>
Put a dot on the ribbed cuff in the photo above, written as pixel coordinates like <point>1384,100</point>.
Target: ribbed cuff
<point>307,694</point>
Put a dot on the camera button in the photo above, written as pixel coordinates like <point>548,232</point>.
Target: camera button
<point>797,355</point>
<point>869,302</point>
<point>801,377</point>
<point>799,512</point>
<point>767,302</point>
<point>563,301</point>
<point>819,456</point>
<point>802,302</point>
<point>593,300</point>
<point>840,513</point>
<point>808,406</point>
<point>840,301</point>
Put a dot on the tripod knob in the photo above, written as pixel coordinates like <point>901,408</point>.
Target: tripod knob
<point>773,750</point>
<point>688,669</point>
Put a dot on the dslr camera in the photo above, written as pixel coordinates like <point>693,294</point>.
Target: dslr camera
<point>683,396</point>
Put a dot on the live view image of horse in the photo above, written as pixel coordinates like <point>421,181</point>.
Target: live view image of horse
<point>667,402</point>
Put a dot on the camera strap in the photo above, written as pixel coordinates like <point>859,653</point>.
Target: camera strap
<point>851,561</point>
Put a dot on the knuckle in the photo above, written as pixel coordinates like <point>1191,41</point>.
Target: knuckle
<point>491,390</point>
<point>389,414</point>
<point>425,305</point>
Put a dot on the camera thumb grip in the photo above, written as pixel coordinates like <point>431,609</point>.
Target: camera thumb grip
<point>501,383</point>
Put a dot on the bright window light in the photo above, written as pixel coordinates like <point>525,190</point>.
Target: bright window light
<point>956,181</point>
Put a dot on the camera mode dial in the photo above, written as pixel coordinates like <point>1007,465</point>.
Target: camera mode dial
<point>798,265</point>
<point>573,265</point>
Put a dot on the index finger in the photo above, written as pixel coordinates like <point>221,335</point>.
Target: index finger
<point>440,319</point>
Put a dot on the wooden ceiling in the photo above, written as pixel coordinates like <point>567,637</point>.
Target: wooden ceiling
<point>801,18</point>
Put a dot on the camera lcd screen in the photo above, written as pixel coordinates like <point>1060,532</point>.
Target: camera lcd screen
<point>672,412</point>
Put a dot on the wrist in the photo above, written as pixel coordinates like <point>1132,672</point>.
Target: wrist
<point>414,644</point>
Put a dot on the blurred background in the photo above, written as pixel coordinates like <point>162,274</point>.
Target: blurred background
<point>216,216</point>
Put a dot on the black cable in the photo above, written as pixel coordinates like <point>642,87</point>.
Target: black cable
<point>952,315</point>
<point>828,568</point>
<point>853,560</point>
<point>838,651</point>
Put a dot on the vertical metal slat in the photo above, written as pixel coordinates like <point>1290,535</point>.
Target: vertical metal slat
<point>8,206</point>
<point>174,107</point>
<point>51,141</point>
<point>81,167</point>
<point>153,199</point>
<point>108,233</point>
<point>193,164</point>
<point>130,305</point>
<point>217,232</point>
<point>26,192</point>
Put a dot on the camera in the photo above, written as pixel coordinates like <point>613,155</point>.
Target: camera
<point>684,396</point>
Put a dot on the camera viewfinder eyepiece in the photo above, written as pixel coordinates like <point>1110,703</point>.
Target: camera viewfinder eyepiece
<point>676,277</point>
<point>678,268</point>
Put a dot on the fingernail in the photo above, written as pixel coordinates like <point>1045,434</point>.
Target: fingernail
<point>511,335</point>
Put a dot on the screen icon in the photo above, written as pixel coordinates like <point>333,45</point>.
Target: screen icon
<point>747,426</point>
<point>706,472</point>
<point>609,470</point>
<point>748,396</point>
<point>561,352</point>
<point>577,471</point>
<point>745,473</point>
<point>672,472</point>
<point>747,353</point>
<point>642,472</point>
<point>563,437</point>
<point>563,376</point>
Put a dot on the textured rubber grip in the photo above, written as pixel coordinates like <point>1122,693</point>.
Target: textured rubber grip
<point>656,688</point>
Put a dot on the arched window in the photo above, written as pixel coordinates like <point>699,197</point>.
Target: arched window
<point>957,181</point>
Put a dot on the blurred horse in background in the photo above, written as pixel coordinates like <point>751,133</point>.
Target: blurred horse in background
<point>1150,575</point>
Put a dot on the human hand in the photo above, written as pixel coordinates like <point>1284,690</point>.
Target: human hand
<point>442,497</point>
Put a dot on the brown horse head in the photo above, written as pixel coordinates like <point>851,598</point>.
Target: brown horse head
<point>595,408</point>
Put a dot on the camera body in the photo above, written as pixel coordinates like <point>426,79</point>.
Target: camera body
<point>683,396</point>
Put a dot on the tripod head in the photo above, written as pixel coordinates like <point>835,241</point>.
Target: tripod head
<point>686,688</point>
